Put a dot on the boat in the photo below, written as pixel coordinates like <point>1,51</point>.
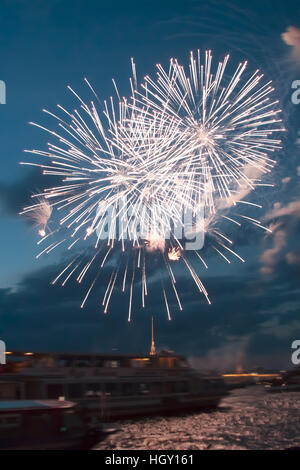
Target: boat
<point>111,386</point>
<point>45,425</point>
<point>287,381</point>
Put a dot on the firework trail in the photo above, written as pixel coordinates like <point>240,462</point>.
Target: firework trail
<point>184,141</point>
<point>39,214</point>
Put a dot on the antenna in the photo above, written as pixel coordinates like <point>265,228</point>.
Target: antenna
<point>152,350</point>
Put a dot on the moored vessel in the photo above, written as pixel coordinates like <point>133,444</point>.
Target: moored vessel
<point>45,425</point>
<point>287,381</point>
<point>111,386</point>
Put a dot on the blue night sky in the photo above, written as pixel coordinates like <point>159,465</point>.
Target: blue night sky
<point>47,45</point>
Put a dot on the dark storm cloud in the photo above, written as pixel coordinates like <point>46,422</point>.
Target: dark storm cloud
<point>246,316</point>
<point>37,315</point>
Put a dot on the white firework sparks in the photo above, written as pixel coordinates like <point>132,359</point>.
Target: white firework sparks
<point>182,141</point>
<point>225,125</point>
<point>39,214</point>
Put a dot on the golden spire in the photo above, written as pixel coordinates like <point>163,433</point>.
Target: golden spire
<point>152,350</point>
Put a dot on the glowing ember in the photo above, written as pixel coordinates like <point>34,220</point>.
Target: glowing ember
<point>174,254</point>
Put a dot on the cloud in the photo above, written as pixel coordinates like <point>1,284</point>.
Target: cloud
<point>292,38</point>
<point>293,258</point>
<point>280,330</point>
<point>286,180</point>
<point>289,306</point>
<point>282,233</point>
<point>253,174</point>
<point>279,210</point>
<point>269,256</point>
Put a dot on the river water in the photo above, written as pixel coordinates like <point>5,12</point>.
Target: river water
<point>248,418</point>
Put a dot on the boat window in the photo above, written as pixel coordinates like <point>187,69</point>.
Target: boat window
<point>82,364</point>
<point>112,364</point>
<point>93,389</point>
<point>127,388</point>
<point>10,421</point>
<point>166,362</point>
<point>111,389</point>
<point>55,390</point>
<point>156,388</point>
<point>99,364</point>
<point>143,389</point>
<point>10,424</point>
<point>45,362</point>
<point>182,387</point>
<point>169,387</point>
<point>140,362</point>
<point>63,363</point>
<point>75,390</point>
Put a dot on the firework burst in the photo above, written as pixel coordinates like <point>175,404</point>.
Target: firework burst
<point>183,142</point>
<point>225,124</point>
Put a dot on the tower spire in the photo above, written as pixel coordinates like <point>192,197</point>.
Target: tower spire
<point>152,350</point>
